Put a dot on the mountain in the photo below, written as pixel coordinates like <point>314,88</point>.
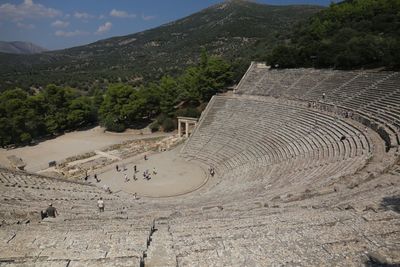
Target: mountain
<point>236,30</point>
<point>20,48</point>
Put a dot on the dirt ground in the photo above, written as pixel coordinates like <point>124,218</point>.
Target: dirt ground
<point>38,156</point>
<point>174,176</point>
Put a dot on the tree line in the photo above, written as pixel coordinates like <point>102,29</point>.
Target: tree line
<point>28,116</point>
<point>349,34</point>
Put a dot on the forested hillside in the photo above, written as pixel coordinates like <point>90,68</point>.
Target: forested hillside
<point>347,35</point>
<point>25,117</point>
<point>236,30</point>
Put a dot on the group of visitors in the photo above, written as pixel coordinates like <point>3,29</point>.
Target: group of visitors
<point>87,176</point>
<point>146,173</point>
<point>118,169</point>
<point>107,189</point>
<point>51,212</point>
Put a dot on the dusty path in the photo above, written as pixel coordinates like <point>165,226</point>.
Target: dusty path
<point>174,176</point>
<point>70,144</point>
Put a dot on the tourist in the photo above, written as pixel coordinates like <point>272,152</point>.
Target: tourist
<point>107,189</point>
<point>145,157</point>
<point>51,211</point>
<point>135,195</point>
<point>212,172</point>
<point>134,177</point>
<point>154,171</point>
<point>95,177</point>
<point>126,178</point>
<point>117,168</point>
<point>134,169</point>
<point>43,214</point>
<point>100,204</point>
<point>323,96</point>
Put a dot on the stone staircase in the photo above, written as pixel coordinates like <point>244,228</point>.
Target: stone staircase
<point>288,190</point>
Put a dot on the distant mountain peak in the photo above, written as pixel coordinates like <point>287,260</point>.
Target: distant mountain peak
<point>239,1</point>
<point>18,47</point>
<point>232,4</point>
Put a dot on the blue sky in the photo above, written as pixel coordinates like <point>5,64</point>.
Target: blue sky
<point>57,24</point>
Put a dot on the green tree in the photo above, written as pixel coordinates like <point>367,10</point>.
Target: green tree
<point>170,95</point>
<point>116,109</point>
<point>349,34</point>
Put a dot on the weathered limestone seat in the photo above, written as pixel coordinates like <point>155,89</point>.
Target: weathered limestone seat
<point>294,186</point>
<point>372,96</point>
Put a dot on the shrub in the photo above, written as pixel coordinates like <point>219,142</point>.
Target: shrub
<point>112,124</point>
<point>168,125</point>
<point>160,119</point>
<point>154,127</point>
<point>25,138</point>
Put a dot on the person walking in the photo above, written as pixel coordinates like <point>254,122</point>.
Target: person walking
<point>100,204</point>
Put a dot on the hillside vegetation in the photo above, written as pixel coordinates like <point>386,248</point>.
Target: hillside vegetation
<point>237,30</point>
<point>347,35</point>
<point>109,75</point>
<point>25,117</point>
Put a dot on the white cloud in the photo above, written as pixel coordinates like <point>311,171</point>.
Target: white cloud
<point>27,10</point>
<point>104,28</point>
<point>25,26</point>
<point>60,24</point>
<point>148,17</point>
<point>83,15</point>
<point>121,14</point>
<point>102,16</point>
<point>70,34</point>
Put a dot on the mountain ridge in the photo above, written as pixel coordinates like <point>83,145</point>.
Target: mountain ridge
<point>235,30</point>
<point>20,47</point>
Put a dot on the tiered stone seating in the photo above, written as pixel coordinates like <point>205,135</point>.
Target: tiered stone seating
<point>370,95</point>
<point>311,237</point>
<point>294,186</point>
<point>66,240</point>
